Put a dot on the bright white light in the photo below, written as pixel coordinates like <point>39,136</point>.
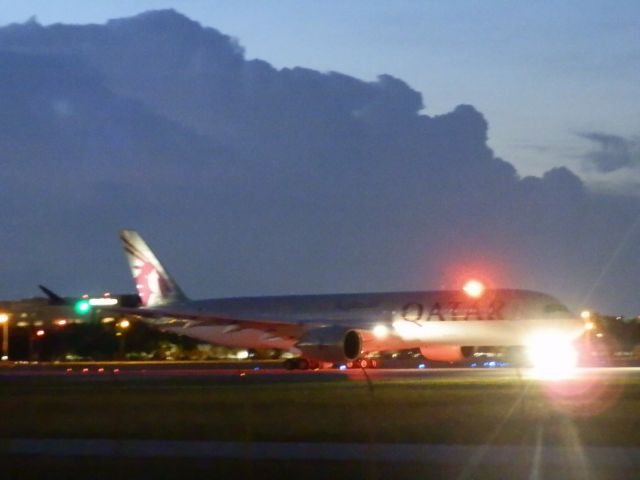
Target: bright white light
<point>473,288</point>
<point>585,314</point>
<point>4,318</point>
<point>407,330</point>
<point>380,331</point>
<point>552,355</point>
<point>242,354</point>
<point>103,301</point>
<point>4,358</point>
<point>589,326</point>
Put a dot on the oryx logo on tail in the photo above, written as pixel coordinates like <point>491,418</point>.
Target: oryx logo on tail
<point>153,283</point>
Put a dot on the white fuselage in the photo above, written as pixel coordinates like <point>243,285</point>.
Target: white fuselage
<point>404,320</point>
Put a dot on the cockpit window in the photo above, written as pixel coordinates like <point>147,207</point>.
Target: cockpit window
<point>555,308</point>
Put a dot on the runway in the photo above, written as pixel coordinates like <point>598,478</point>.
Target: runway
<point>204,417</point>
<point>405,453</point>
<point>234,372</point>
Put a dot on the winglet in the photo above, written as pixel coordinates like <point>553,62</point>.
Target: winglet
<point>154,285</point>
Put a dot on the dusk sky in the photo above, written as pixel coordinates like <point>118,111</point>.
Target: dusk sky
<point>543,73</point>
<point>496,138</point>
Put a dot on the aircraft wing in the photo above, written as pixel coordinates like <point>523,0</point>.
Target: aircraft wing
<point>174,317</point>
<point>293,328</point>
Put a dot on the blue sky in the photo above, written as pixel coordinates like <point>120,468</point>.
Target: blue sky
<point>541,72</point>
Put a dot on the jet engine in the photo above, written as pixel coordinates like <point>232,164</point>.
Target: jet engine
<point>330,344</point>
<point>446,353</point>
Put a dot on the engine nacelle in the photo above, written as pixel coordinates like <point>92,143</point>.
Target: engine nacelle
<point>445,353</point>
<point>330,344</point>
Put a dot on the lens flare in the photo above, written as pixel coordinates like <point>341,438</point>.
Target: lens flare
<point>552,355</point>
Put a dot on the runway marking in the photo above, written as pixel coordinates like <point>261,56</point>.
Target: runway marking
<point>620,457</point>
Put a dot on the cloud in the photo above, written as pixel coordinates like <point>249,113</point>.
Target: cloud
<point>611,152</point>
<point>252,180</point>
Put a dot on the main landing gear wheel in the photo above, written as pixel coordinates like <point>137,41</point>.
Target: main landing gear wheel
<point>363,363</point>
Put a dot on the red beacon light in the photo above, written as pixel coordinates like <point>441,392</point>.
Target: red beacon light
<point>474,288</point>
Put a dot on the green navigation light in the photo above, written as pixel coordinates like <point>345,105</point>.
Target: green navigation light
<point>82,307</point>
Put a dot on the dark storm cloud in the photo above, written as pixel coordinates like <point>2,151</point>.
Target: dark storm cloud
<point>248,179</point>
<point>611,152</point>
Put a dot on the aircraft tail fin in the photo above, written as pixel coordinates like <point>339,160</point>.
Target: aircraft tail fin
<point>54,298</point>
<point>154,285</point>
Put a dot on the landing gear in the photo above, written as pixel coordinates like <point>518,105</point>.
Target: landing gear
<point>363,363</point>
<point>300,364</point>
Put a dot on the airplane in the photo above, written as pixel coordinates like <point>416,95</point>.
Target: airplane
<point>323,330</point>
<point>84,303</point>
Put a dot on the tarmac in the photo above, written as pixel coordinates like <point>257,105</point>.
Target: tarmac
<point>523,461</point>
<point>272,372</point>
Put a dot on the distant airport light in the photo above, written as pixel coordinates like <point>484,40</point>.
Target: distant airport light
<point>4,318</point>
<point>585,314</point>
<point>40,333</point>
<point>61,322</point>
<point>124,324</point>
<point>100,302</point>
<point>380,331</point>
<point>474,288</point>
<point>242,354</point>
<point>589,326</point>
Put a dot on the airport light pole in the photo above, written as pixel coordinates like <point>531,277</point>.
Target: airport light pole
<point>4,320</point>
<point>33,336</point>
<point>123,325</point>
